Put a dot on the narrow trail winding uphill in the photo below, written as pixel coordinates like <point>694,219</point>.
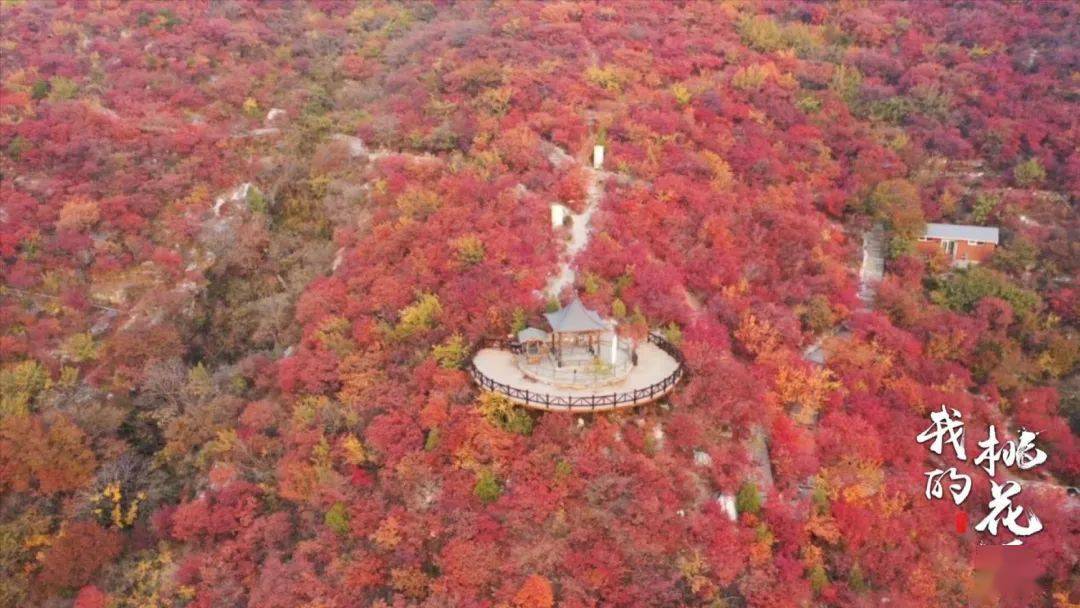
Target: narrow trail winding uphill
<point>594,192</point>
<point>871,272</point>
<point>579,233</point>
<point>873,263</point>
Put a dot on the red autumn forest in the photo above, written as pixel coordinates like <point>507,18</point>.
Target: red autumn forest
<point>248,249</point>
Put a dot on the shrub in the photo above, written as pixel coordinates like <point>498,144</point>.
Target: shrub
<point>451,354</point>
<point>337,519</point>
<point>563,470</point>
<point>40,89</point>
<point>418,203</point>
<point>818,578</point>
<point>896,201</point>
<point>964,289</point>
<point>501,412</point>
<point>609,77</point>
<point>1029,173</point>
<point>764,34</point>
<point>19,384</point>
<point>257,201</point>
<point>422,315</point>
<point>856,579</point>
<point>818,316</point>
<point>80,348</point>
<point>893,110</point>
<point>681,93</point>
<point>487,488</point>
<point>432,440</point>
<point>518,321</point>
<point>761,33</point>
<point>750,78</point>
<point>808,103</point>
<point>618,309</point>
<point>469,249</point>
<point>846,83</point>
<point>78,214</point>
<point>748,500</point>
<point>61,89</point>
<point>984,206</point>
<point>591,283</point>
<point>673,334</point>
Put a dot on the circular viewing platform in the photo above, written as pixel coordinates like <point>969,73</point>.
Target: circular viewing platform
<point>580,388</point>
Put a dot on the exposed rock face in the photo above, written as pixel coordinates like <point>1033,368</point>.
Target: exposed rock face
<point>276,117</point>
<point>236,195</point>
<point>702,459</point>
<point>355,144</point>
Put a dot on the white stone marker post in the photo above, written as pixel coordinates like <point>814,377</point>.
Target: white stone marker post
<point>558,215</point>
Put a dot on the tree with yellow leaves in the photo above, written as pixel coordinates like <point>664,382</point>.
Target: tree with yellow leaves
<point>804,389</point>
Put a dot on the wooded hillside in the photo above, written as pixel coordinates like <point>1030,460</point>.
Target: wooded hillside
<point>248,247</point>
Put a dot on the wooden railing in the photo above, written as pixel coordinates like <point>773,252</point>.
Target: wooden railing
<point>502,344</point>
<point>661,342</point>
<point>584,403</point>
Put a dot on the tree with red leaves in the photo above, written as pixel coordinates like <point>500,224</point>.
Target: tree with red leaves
<point>76,554</point>
<point>535,592</point>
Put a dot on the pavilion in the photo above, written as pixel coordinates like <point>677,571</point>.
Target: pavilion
<point>575,326</point>
<point>582,348</point>
<point>581,364</point>
<point>533,344</point>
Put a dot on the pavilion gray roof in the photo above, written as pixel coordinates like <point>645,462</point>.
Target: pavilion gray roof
<point>962,232</point>
<point>532,334</point>
<point>575,317</point>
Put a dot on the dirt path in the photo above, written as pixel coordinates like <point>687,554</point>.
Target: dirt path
<point>580,229</point>
<point>759,454</point>
<point>873,264</point>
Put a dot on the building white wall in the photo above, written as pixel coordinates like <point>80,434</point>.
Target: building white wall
<point>598,157</point>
